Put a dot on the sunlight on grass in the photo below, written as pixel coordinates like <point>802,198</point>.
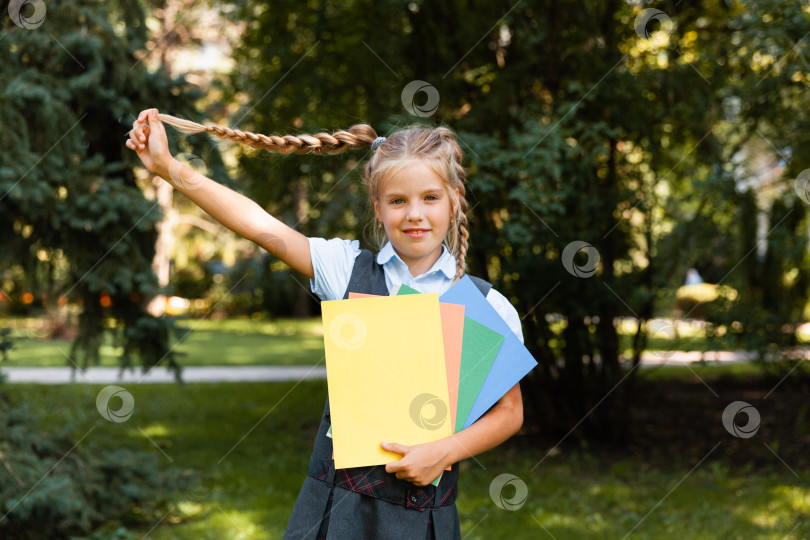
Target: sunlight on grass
<point>242,341</point>
<point>266,431</point>
<point>107,350</point>
<point>155,430</point>
<point>234,524</point>
<point>287,327</point>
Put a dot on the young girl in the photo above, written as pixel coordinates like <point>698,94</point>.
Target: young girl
<point>415,183</point>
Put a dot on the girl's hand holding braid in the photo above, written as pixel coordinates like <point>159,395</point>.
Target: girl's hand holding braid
<point>148,139</point>
<point>235,211</point>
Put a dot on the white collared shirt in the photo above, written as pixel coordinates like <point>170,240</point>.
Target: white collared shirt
<point>333,260</point>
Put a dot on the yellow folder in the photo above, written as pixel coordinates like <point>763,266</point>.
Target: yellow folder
<point>386,375</point>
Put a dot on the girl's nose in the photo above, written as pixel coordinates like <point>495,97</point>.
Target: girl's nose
<point>414,212</point>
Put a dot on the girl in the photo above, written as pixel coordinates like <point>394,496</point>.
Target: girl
<point>415,184</point>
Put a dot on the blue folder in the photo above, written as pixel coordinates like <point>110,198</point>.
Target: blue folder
<point>513,361</point>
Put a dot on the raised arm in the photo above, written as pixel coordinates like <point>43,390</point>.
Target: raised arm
<point>232,209</point>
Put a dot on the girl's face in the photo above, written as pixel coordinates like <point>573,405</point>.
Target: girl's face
<point>414,208</point>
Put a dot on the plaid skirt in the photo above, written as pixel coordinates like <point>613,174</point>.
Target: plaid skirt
<point>368,503</point>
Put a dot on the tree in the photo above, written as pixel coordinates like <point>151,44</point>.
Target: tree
<point>72,215</point>
<point>600,140</point>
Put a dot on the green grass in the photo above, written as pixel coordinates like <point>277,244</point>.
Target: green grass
<point>251,442</point>
<point>286,342</point>
<point>701,370</point>
<point>662,338</point>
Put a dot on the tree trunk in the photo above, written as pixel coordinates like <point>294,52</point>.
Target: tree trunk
<point>302,304</point>
<point>161,263</point>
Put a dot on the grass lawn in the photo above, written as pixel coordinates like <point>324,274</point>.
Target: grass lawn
<point>283,342</point>
<point>202,343</point>
<point>251,442</point>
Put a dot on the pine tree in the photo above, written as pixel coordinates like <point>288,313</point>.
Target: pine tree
<point>72,216</point>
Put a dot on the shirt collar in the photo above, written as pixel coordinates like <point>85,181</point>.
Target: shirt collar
<point>446,262</point>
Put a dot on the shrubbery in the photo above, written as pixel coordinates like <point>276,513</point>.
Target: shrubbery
<point>51,487</point>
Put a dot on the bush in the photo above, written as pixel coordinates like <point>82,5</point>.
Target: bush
<point>265,285</point>
<point>703,300</point>
<point>193,281</point>
<point>50,487</point>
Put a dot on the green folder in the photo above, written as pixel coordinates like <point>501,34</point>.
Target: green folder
<point>480,346</point>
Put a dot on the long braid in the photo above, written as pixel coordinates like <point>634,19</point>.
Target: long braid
<point>357,136</point>
<point>462,232</point>
<point>422,143</point>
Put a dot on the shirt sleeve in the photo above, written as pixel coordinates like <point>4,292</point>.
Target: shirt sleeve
<point>507,311</point>
<point>332,263</point>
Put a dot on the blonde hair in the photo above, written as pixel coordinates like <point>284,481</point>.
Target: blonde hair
<point>436,147</point>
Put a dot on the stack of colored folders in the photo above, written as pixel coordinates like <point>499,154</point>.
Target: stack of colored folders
<point>414,368</point>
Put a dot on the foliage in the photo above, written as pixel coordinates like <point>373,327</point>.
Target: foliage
<point>72,216</point>
<point>5,342</point>
<point>51,487</point>
<point>265,285</point>
<point>193,281</point>
<point>576,127</point>
<point>697,299</point>
<point>700,293</point>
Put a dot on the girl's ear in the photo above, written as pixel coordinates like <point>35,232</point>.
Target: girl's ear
<point>377,210</point>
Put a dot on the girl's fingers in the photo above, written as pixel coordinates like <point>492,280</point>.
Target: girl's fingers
<point>139,135</point>
<point>135,132</point>
<point>135,137</point>
<point>144,116</point>
<point>158,125</point>
<point>144,135</point>
<point>141,129</point>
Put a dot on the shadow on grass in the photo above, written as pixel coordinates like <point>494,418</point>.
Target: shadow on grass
<point>247,445</point>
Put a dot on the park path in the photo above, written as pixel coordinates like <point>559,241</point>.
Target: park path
<point>110,375</point>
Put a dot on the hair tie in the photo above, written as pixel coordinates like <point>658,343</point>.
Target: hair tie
<point>377,142</point>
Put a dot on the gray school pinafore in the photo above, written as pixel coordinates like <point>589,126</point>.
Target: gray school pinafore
<point>367,503</point>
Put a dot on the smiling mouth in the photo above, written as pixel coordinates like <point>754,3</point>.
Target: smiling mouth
<point>416,233</point>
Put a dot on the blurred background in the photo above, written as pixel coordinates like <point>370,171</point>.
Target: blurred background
<point>638,188</point>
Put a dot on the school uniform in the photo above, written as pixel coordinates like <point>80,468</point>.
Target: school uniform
<point>366,502</point>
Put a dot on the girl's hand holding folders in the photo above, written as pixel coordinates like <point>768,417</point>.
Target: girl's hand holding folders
<point>420,464</point>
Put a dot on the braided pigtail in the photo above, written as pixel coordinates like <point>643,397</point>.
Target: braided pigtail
<point>462,233</point>
<point>459,234</point>
<point>357,136</point>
